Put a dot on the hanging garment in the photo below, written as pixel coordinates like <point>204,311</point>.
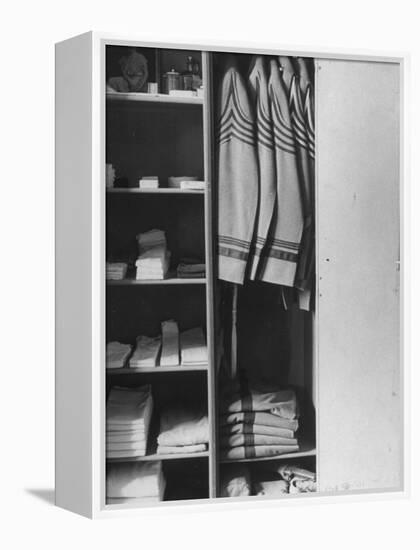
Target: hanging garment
<point>237,176</point>
<point>281,254</point>
<point>300,131</point>
<point>258,86</point>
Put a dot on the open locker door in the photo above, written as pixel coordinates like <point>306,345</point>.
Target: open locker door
<point>360,429</point>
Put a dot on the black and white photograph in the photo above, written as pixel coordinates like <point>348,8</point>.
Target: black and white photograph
<point>210,220</point>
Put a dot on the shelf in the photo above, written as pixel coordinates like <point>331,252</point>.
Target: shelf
<point>133,97</point>
<point>159,191</point>
<point>306,449</point>
<point>169,281</point>
<point>156,370</point>
<point>155,456</point>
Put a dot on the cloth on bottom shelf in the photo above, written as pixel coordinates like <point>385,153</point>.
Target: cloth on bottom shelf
<point>146,352</point>
<point>193,347</point>
<point>181,426</point>
<point>235,481</point>
<point>180,449</point>
<point>250,440</point>
<point>128,410</point>
<point>170,344</point>
<point>271,488</point>
<point>256,451</point>
<point>135,480</point>
<point>300,479</point>
<point>117,355</point>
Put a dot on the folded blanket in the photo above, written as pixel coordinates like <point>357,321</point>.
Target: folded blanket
<point>126,446</point>
<point>183,426</point>
<point>125,454</point>
<point>125,437</point>
<point>129,406</point>
<point>134,479</point>
<point>235,481</point>
<point>249,451</point>
<point>146,352</point>
<point>256,429</point>
<point>180,449</point>
<point>239,440</point>
<point>289,472</point>
<point>189,270</point>
<point>170,344</point>
<point>260,418</point>
<point>193,347</point>
<point>117,354</point>
<point>271,488</point>
<point>280,402</point>
<point>151,239</point>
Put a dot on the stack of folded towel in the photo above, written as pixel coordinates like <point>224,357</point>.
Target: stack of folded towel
<point>128,414</point>
<point>146,353</point>
<point>190,268</point>
<point>183,429</point>
<point>193,347</point>
<point>116,271</point>
<point>154,258</point>
<point>134,481</point>
<point>257,423</point>
<point>117,355</point>
<point>170,344</point>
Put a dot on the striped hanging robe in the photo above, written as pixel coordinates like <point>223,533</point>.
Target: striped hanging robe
<point>237,176</point>
<point>280,256</point>
<point>306,89</point>
<point>258,86</point>
<point>302,149</point>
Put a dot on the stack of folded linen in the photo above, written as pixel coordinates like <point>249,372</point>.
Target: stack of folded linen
<point>189,268</point>
<point>154,258</point>
<point>183,429</point>
<point>128,414</point>
<point>170,344</point>
<point>116,270</point>
<point>193,347</point>
<point>146,353</point>
<point>257,423</point>
<point>117,355</point>
<point>134,481</point>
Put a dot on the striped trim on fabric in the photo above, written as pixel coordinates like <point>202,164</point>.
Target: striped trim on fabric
<point>233,122</point>
<point>264,129</point>
<point>270,252</point>
<point>283,133</point>
<point>232,253</point>
<point>285,244</point>
<point>240,243</point>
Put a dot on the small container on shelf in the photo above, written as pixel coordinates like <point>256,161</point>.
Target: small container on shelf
<point>171,81</point>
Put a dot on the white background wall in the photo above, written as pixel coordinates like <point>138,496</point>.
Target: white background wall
<point>29,30</point>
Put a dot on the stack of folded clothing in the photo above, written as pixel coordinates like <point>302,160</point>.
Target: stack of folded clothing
<point>146,353</point>
<point>257,422</point>
<point>190,268</point>
<point>154,258</point>
<point>183,429</point>
<point>287,479</point>
<point>193,347</point>
<point>116,270</point>
<point>134,481</point>
<point>128,414</point>
<point>170,344</point>
<point>117,355</point>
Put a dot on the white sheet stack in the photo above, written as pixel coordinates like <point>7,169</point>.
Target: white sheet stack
<point>170,344</point>
<point>129,482</point>
<point>146,353</point>
<point>153,260</point>
<point>183,429</point>
<point>193,347</point>
<point>117,355</point>
<point>116,270</point>
<point>128,414</point>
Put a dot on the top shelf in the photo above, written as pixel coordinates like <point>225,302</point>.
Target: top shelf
<point>133,97</point>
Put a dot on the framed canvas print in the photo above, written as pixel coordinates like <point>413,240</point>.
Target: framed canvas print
<point>228,274</point>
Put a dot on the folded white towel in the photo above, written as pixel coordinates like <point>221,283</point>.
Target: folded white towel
<point>125,437</point>
<point>193,347</point>
<point>127,446</point>
<point>130,406</point>
<point>146,352</point>
<point>134,479</point>
<point>183,426</point>
<point>116,354</point>
<point>181,449</point>
<point>170,344</point>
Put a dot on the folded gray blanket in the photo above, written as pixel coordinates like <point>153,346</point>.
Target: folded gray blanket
<point>256,429</point>
<point>253,451</point>
<point>260,418</point>
<point>239,440</point>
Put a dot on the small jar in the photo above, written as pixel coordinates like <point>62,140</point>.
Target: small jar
<point>171,81</point>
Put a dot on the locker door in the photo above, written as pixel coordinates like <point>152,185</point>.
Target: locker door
<point>358,303</point>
